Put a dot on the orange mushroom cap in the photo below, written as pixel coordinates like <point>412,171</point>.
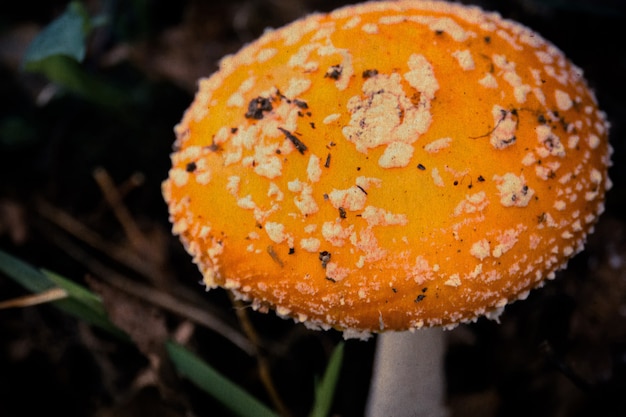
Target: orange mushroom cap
<point>388,166</point>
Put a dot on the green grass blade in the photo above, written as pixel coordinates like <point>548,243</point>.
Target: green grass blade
<point>80,302</point>
<point>84,304</point>
<point>78,292</point>
<point>24,274</point>
<point>325,390</point>
<point>208,379</point>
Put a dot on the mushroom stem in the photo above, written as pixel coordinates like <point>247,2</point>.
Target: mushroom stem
<point>408,375</point>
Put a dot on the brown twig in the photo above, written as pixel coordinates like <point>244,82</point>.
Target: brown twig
<point>150,294</point>
<point>78,230</point>
<point>123,189</point>
<point>113,197</point>
<point>262,362</point>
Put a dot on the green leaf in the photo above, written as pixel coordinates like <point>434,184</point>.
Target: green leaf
<point>56,53</point>
<point>66,35</point>
<point>208,379</point>
<point>325,390</point>
<point>70,75</point>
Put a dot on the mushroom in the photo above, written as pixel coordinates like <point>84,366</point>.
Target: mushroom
<point>427,175</point>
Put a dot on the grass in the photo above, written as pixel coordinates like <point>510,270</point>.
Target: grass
<point>85,305</point>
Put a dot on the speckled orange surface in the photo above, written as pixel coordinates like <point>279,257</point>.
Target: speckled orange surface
<point>391,165</point>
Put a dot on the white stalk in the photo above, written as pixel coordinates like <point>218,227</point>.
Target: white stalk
<point>408,375</point>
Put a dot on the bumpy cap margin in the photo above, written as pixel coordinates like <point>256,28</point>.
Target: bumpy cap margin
<point>389,166</point>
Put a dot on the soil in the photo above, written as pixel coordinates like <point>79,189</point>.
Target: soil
<point>80,195</point>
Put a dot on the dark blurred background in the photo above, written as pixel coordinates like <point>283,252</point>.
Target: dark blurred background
<point>80,195</point>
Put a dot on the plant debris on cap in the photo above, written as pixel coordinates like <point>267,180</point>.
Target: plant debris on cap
<point>431,173</point>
